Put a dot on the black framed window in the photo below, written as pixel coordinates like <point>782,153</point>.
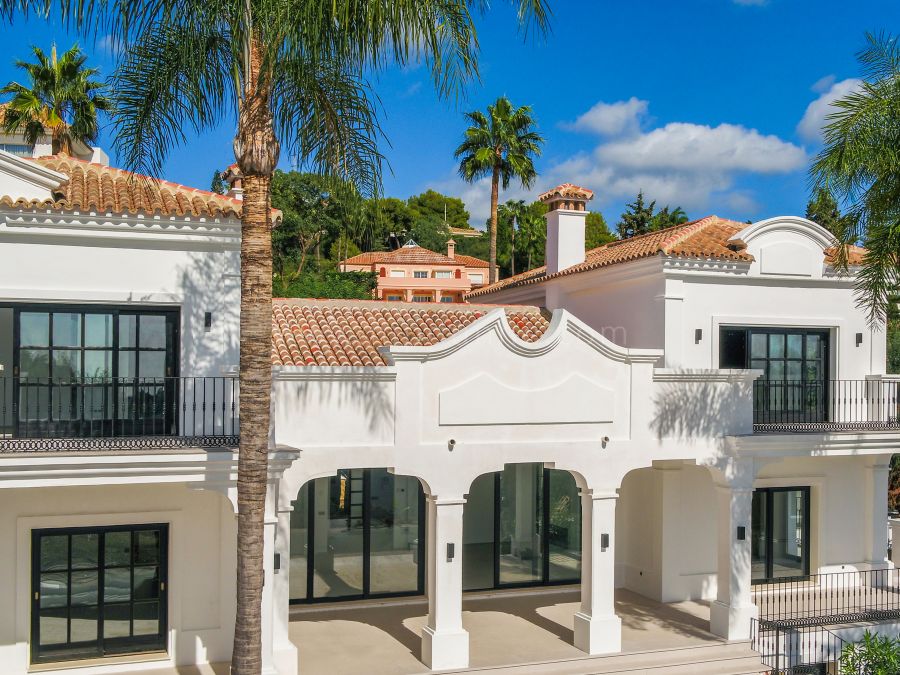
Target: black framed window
<point>358,534</point>
<point>89,371</point>
<point>98,591</point>
<point>794,361</point>
<point>780,534</point>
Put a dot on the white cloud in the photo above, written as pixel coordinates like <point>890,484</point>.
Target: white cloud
<point>612,119</point>
<point>810,126</point>
<point>823,84</point>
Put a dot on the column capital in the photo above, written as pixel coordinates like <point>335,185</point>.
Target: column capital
<point>437,500</point>
<point>598,493</point>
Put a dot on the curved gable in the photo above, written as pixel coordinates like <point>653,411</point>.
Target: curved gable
<point>786,246</point>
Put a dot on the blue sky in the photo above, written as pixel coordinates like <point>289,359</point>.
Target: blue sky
<point>713,105</point>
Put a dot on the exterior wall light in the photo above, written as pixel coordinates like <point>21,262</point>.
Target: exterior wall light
<point>858,339</point>
<point>451,444</point>
<point>698,335</point>
<point>207,321</point>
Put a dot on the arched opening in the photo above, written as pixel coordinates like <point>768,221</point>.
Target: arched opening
<point>357,534</point>
<point>522,527</point>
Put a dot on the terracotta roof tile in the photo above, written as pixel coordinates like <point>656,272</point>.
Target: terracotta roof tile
<point>349,332</point>
<point>569,190</point>
<point>471,261</point>
<point>414,255</point>
<point>96,187</point>
<point>705,238</point>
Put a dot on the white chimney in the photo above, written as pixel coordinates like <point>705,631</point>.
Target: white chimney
<point>451,248</point>
<point>566,215</point>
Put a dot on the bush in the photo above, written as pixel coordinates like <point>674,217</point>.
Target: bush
<point>325,284</point>
<point>875,655</point>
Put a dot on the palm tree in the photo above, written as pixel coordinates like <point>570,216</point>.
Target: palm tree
<point>61,100</point>
<point>291,74</point>
<point>860,166</point>
<point>501,144</point>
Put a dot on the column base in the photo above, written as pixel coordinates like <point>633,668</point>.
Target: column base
<point>286,660</point>
<point>598,634</point>
<point>729,622</point>
<point>445,649</point>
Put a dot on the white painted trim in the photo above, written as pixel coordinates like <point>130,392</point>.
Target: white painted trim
<point>802,226</point>
<point>334,373</point>
<point>713,375</point>
<point>30,172</point>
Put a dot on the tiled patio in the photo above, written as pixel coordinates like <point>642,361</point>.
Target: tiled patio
<point>504,628</point>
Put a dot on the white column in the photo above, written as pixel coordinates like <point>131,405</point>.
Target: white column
<point>671,532</point>
<point>284,651</point>
<point>445,643</point>
<point>876,491</point>
<point>733,609</point>
<point>268,595</point>
<point>597,628</point>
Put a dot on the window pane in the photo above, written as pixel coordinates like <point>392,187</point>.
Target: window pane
<point>153,332</point>
<point>146,583</point>
<point>98,363</point>
<point>776,370</point>
<point>733,349</point>
<point>116,621</point>
<point>117,584</point>
<point>66,329</point>
<point>151,364</point>
<point>776,346</point>
<point>54,626</point>
<point>758,346</point>
<point>794,370</point>
<point>127,331</point>
<point>478,534</point>
<point>147,547</point>
<point>34,363</point>
<point>788,533</point>
<point>299,543</point>
<point>54,552</point>
<point>98,330</point>
<point>118,548</point>
<point>758,536</point>
<point>394,532</point>
<point>564,533</point>
<point>127,364</point>
<point>83,624</point>
<point>54,589</point>
<point>795,346</point>
<point>34,329</point>
<point>813,346</point>
<point>85,588</point>
<point>339,535</point>
<point>521,492</point>
<point>66,364</point>
<point>146,618</point>
<point>85,550</point>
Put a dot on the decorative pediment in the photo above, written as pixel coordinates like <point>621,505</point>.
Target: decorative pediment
<point>27,181</point>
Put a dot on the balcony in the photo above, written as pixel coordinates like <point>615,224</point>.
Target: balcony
<point>871,404</point>
<point>46,414</point>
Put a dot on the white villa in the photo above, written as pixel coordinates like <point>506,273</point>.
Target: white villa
<point>694,418</point>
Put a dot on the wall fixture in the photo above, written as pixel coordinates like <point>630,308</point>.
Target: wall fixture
<point>207,321</point>
<point>451,444</point>
<point>604,541</point>
<point>277,565</point>
<point>858,339</point>
<point>451,551</point>
<point>741,533</point>
<point>698,335</point>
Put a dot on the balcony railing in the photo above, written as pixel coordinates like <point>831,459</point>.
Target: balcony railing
<point>140,412</point>
<point>805,650</point>
<point>832,598</point>
<point>809,405</point>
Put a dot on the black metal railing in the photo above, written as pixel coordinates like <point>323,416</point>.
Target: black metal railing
<point>831,598</point>
<point>780,405</point>
<point>802,650</point>
<point>35,409</point>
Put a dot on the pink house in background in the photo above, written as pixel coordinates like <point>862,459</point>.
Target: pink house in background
<point>415,274</point>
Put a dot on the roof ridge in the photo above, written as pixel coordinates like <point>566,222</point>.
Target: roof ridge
<point>687,230</point>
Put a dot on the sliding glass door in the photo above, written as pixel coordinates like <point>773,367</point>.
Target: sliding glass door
<point>522,527</point>
<point>780,533</point>
<point>98,591</point>
<point>357,534</point>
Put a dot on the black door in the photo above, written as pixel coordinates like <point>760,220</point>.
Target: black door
<point>780,534</point>
<point>98,591</point>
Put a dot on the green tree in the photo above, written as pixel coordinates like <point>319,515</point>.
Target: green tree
<point>388,216</point>
<point>637,219</point>
<point>859,165</point>
<point>596,231</point>
<point>532,236</point>
<point>501,144</point>
<point>62,100</point>
<point>665,218</point>
<point>823,209</point>
<point>431,204</point>
<point>218,185</point>
<point>874,655</point>
<point>309,213</point>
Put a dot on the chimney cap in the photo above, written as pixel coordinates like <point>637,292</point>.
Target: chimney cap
<point>568,191</point>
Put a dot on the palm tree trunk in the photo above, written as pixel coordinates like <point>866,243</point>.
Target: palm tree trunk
<point>495,195</point>
<point>512,255</point>
<point>256,151</point>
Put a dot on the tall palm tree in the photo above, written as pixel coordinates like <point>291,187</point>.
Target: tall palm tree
<point>501,144</point>
<point>860,165</point>
<point>291,74</point>
<point>61,100</point>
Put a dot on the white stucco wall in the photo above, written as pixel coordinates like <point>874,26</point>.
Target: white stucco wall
<point>201,559</point>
